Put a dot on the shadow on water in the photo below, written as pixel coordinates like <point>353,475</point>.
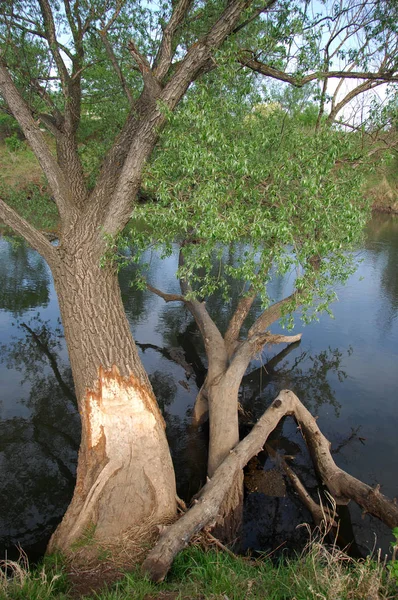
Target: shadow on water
<point>343,371</point>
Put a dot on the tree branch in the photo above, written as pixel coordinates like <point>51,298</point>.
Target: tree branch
<point>115,64</point>
<point>166,297</point>
<point>270,315</point>
<point>165,53</point>
<point>51,37</point>
<point>237,320</point>
<point>153,119</point>
<point>37,142</point>
<point>298,81</point>
<point>254,16</point>
<point>36,239</point>
<point>152,85</point>
<point>363,87</point>
<point>320,514</point>
<point>205,511</point>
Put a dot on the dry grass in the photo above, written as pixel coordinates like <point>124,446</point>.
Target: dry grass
<point>331,574</point>
<point>17,580</point>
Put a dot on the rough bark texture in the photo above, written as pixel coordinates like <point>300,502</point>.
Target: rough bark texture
<point>125,474</point>
<point>206,511</point>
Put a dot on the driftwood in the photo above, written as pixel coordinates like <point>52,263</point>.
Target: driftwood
<point>204,513</point>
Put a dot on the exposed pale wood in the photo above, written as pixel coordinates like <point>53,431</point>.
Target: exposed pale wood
<point>166,297</point>
<point>340,484</point>
<point>206,510</point>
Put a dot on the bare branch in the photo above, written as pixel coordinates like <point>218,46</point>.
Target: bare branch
<point>270,315</point>
<point>320,514</point>
<point>152,85</point>
<point>276,338</point>
<point>205,511</point>
<point>237,320</point>
<point>362,87</point>
<point>36,239</point>
<point>166,297</point>
<point>298,81</point>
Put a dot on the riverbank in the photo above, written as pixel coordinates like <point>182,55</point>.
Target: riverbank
<point>197,574</point>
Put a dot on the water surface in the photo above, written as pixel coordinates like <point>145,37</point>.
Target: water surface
<point>345,370</point>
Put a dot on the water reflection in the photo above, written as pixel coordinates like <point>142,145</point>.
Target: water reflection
<point>344,371</point>
<point>38,453</point>
<point>24,278</point>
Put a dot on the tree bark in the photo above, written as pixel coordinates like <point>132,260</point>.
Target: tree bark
<point>125,475</point>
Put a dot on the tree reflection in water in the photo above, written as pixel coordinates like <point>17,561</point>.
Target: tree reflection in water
<point>38,454</point>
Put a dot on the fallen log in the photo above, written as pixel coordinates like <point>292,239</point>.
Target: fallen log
<point>204,512</point>
<point>342,486</point>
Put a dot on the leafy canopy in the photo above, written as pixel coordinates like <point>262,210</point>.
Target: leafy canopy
<point>231,170</point>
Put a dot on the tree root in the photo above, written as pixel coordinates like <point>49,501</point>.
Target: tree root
<point>204,513</point>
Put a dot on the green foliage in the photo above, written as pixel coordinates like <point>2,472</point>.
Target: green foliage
<point>8,126</point>
<point>230,171</point>
<point>14,142</point>
<point>393,565</point>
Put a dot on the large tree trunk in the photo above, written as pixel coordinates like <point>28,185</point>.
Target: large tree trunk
<point>125,475</point>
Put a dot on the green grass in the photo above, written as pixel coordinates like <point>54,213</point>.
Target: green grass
<point>317,574</point>
<point>23,187</point>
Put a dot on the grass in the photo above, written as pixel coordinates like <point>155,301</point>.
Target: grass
<point>23,187</point>
<point>318,573</point>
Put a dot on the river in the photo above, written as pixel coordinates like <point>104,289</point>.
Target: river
<point>345,370</point>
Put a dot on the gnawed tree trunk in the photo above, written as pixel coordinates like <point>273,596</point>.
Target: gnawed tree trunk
<point>125,474</point>
<point>206,510</point>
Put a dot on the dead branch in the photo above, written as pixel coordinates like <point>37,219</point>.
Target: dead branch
<point>205,512</point>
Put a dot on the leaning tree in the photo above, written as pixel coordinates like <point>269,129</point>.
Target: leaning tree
<point>59,63</point>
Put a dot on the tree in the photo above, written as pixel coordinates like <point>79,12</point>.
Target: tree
<point>248,193</point>
<point>56,60</point>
